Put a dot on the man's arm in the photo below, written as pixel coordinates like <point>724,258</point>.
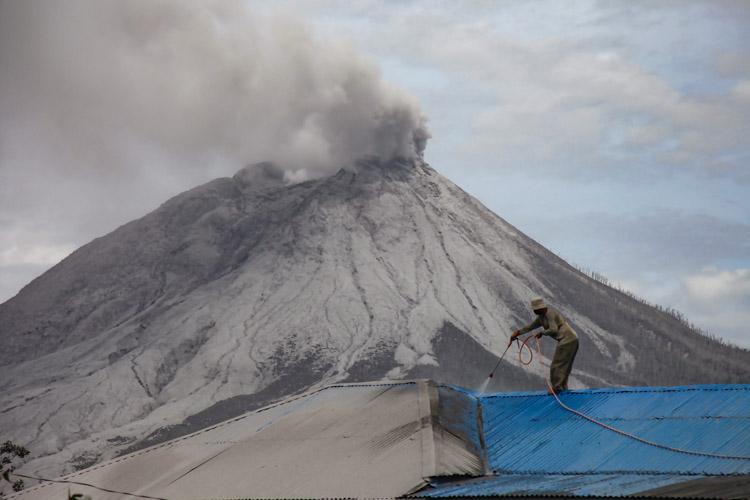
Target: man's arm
<point>531,326</point>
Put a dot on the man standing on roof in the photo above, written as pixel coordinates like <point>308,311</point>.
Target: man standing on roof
<point>556,327</point>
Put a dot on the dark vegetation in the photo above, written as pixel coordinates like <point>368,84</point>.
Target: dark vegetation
<point>10,456</point>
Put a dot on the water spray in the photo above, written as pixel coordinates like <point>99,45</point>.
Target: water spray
<point>486,382</point>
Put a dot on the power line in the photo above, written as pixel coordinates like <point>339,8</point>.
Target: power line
<point>86,484</point>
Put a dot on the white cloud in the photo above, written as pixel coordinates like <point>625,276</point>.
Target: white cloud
<point>566,108</point>
<point>711,284</point>
<point>585,89</point>
<point>13,278</point>
<point>741,91</point>
<point>718,300</point>
<point>25,254</point>
<point>37,255</point>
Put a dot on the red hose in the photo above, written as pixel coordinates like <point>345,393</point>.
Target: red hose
<point>525,345</point>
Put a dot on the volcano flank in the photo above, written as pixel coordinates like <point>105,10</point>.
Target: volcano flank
<point>248,289</point>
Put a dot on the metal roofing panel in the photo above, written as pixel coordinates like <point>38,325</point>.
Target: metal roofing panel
<point>458,443</point>
<point>362,440</point>
<point>734,487</point>
<point>384,439</point>
<point>530,432</point>
<point>600,485</point>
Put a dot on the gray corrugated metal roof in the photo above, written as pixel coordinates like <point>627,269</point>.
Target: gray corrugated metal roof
<point>341,441</point>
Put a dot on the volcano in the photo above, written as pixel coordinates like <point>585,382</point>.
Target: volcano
<point>248,289</point>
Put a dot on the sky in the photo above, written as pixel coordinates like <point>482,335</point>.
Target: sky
<point>614,133</point>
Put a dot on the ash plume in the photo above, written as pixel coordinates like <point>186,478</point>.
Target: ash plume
<point>111,87</point>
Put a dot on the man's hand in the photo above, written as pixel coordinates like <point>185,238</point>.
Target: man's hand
<point>513,336</point>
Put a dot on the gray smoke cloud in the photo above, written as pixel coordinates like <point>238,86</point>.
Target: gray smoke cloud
<point>109,107</point>
<point>114,84</point>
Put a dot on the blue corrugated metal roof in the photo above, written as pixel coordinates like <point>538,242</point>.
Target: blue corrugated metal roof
<point>457,413</point>
<point>530,432</point>
<point>555,484</point>
<point>536,447</point>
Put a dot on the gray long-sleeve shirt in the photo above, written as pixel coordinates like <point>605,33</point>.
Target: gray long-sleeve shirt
<point>554,325</point>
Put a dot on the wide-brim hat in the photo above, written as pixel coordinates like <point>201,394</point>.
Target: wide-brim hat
<point>537,304</point>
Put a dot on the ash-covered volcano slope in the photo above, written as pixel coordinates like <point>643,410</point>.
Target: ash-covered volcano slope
<point>246,289</point>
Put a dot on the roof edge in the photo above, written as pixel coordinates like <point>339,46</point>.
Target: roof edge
<point>613,390</point>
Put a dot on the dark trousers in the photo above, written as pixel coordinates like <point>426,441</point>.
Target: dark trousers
<point>562,364</point>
